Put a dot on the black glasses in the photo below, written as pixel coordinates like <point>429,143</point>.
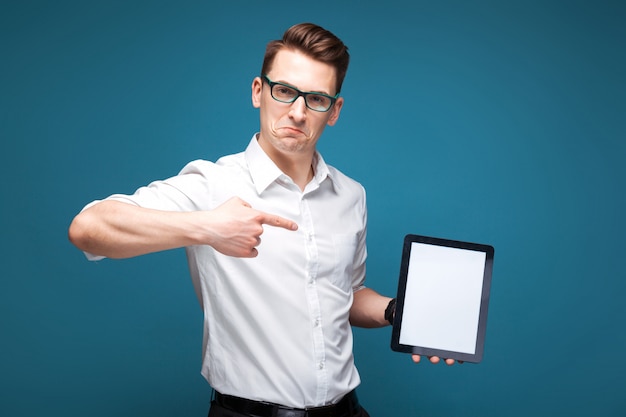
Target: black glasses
<point>288,94</point>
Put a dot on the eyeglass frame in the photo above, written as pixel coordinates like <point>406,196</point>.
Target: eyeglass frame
<point>299,94</point>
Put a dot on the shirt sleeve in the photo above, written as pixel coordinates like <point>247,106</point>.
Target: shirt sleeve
<point>187,191</point>
<point>360,256</point>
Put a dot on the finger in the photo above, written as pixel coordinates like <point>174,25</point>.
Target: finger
<point>434,359</point>
<point>449,362</point>
<point>416,358</point>
<point>237,200</point>
<point>277,221</point>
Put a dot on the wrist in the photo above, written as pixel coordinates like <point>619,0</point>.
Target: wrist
<point>390,311</point>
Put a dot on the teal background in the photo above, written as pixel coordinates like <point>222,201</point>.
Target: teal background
<point>494,122</point>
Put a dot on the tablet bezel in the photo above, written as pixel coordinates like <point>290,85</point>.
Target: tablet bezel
<point>484,302</point>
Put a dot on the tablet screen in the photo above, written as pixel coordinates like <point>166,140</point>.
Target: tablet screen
<point>442,300</point>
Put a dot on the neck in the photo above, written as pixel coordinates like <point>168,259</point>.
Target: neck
<point>301,172</point>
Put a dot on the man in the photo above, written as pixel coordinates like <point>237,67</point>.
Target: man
<point>278,301</point>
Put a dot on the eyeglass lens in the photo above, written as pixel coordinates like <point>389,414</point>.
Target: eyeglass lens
<point>288,95</point>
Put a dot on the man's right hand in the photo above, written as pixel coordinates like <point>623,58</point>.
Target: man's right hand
<point>236,228</point>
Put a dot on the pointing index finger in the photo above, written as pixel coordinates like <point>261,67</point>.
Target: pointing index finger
<point>277,221</point>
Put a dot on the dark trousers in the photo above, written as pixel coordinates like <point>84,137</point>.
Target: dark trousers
<point>217,410</point>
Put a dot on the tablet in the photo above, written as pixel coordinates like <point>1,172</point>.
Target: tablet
<point>442,300</point>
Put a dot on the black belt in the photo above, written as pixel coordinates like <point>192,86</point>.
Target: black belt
<point>344,408</point>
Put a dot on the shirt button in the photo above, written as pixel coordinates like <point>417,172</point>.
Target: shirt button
<point>316,323</point>
<point>320,365</point>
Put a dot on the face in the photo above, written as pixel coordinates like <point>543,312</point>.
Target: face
<point>291,129</point>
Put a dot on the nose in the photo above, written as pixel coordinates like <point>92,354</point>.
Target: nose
<point>298,109</point>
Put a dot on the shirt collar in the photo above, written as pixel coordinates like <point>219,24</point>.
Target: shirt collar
<point>264,172</point>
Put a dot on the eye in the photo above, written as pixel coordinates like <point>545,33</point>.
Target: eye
<point>319,100</point>
<point>284,91</point>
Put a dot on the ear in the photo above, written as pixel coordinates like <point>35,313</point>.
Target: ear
<point>334,112</point>
<point>257,86</point>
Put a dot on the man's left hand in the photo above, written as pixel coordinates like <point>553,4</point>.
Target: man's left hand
<point>434,359</point>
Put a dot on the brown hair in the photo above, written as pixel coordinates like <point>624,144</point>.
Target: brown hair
<point>315,42</point>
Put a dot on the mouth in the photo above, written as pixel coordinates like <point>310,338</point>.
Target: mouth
<point>292,131</point>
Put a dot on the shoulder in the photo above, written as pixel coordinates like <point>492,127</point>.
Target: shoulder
<point>206,168</point>
<point>345,184</point>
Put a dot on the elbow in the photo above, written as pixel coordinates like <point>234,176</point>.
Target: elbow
<point>78,232</point>
<point>74,233</point>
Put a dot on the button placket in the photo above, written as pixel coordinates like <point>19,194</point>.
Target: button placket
<point>312,296</point>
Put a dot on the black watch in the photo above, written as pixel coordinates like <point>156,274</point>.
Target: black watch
<point>390,311</point>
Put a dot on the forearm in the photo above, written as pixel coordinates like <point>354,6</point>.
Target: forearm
<point>368,309</point>
<point>120,230</point>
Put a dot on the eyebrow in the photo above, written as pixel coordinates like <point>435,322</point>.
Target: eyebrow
<point>293,86</point>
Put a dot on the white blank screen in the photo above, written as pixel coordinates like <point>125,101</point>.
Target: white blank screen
<point>442,298</point>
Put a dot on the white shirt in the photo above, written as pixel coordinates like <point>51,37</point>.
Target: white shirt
<point>276,326</point>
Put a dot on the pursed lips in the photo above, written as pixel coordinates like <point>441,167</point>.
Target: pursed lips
<point>293,130</point>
